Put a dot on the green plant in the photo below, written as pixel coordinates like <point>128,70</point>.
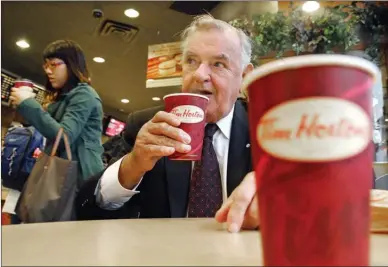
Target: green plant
<point>372,18</point>
<point>269,33</point>
<point>335,29</point>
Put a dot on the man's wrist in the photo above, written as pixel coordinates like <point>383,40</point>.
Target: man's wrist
<point>130,172</point>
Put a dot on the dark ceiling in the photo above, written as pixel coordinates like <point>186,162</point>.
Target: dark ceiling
<point>123,75</point>
<point>194,7</point>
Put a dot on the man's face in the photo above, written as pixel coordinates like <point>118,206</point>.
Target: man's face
<point>212,67</point>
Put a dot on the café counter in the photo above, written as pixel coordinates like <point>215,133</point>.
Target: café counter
<point>141,242</point>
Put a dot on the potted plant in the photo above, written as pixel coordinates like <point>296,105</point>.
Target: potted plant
<point>269,32</point>
<point>372,19</point>
<point>335,29</point>
<point>332,30</point>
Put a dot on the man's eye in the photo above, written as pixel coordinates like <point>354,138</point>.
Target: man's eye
<point>219,65</point>
<point>191,61</point>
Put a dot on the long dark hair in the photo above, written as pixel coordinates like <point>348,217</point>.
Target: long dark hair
<point>73,56</point>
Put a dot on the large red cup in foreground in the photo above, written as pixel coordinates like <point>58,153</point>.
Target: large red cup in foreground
<point>190,108</point>
<point>310,129</point>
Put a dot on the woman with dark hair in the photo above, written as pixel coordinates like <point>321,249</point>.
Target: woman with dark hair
<point>73,105</point>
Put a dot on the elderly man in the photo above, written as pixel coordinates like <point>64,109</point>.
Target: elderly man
<point>146,184</point>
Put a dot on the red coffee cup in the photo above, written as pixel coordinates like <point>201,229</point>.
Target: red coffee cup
<point>24,84</point>
<point>310,128</point>
<point>190,108</point>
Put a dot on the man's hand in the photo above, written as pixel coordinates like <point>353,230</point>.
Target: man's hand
<point>241,211</point>
<point>158,138</point>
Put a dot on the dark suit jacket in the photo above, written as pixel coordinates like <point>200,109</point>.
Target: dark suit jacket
<point>164,190</point>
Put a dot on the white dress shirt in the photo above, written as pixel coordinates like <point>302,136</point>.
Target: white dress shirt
<point>112,195</point>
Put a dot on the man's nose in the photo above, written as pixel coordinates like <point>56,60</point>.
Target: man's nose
<point>202,74</point>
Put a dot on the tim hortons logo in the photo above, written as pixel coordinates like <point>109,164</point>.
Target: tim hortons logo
<point>189,113</point>
<point>314,129</point>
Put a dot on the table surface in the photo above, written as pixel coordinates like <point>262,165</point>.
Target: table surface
<point>4,193</point>
<point>140,242</point>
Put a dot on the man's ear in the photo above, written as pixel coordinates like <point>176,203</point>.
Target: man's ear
<point>248,69</point>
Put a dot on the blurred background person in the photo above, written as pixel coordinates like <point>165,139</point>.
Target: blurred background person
<point>73,105</point>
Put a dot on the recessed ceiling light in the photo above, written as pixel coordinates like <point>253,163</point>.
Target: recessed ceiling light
<point>125,101</point>
<point>99,59</point>
<point>23,44</point>
<point>131,13</point>
<point>156,98</point>
<point>310,6</point>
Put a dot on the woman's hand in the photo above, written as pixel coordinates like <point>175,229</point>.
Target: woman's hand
<point>19,95</point>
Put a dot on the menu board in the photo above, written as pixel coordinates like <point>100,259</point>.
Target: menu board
<point>114,127</point>
<point>7,81</point>
<point>164,65</point>
<point>40,93</point>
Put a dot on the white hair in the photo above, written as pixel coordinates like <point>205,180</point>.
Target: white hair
<point>207,22</point>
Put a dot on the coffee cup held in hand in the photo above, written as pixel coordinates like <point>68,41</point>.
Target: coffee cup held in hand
<point>190,109</point>
<point>24,84</point>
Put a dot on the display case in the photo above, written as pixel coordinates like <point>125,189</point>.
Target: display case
<point>112,126</point>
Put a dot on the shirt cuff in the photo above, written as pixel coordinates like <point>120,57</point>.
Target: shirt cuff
<point>110,188</point>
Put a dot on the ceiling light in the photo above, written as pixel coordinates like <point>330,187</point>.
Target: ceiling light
<point>99,59</point>
<point>23,44</point>
<point>125,101</point>
<point>131,13</point>
<point>310,6</point>
<point>156,98</point>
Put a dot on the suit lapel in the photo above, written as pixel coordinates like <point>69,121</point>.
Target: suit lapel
<point>239,158</point>
<point>178,175</point>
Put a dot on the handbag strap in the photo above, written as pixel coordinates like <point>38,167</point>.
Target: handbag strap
<point>67,146</point>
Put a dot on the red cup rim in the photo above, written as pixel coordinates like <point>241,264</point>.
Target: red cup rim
<point>23,81</point>
<point>298,62</point>
<point>181,94</point>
